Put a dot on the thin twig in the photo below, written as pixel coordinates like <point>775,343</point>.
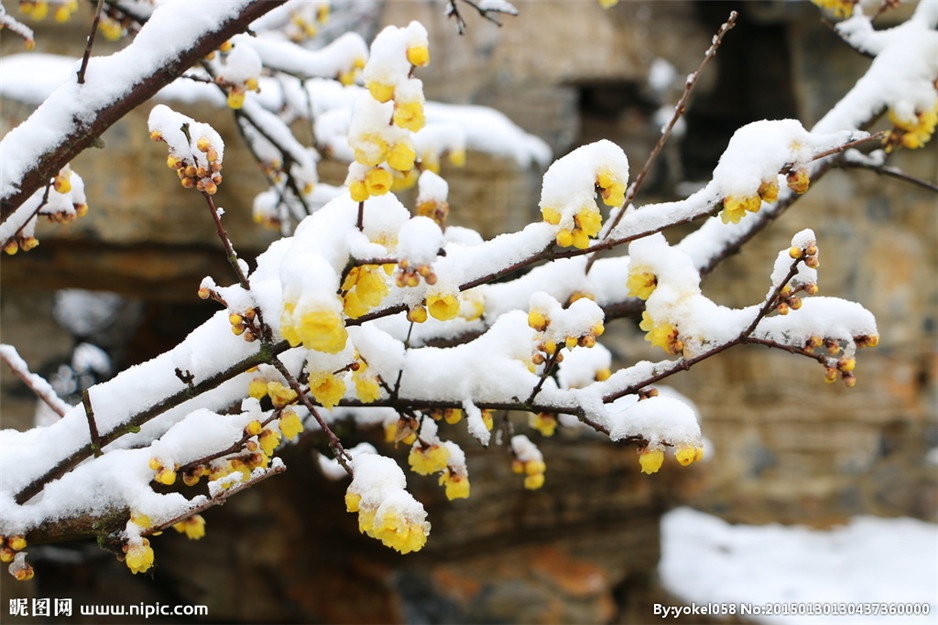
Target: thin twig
<point>334,443</point>
<point>92,426</point>
<point>218,499</point>
<point>894,172</point>
<point>36,383</point>
<point>679,110</point>
<point>90,43</point>
<point>230,253</point>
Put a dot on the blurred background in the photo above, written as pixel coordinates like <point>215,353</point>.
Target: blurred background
<point>786,447</point>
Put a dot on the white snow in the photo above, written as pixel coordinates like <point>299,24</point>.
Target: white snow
<point>870,563</point>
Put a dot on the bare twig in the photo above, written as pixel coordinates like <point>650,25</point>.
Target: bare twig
<point>894,172</point>
<point>79,136</point>
<point>90,42</point>
<point>92,426</point>
<point>230,253</point>
<point>219,499</point>
<point>334,443</point>
<point>36,383</point>
<point>679,110</point>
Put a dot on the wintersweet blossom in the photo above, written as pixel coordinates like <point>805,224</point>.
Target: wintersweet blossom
<point>663,335</point>
<point>193,527</point>
<point>290,423</point>
<point>455,484</point>
<point>642,281</point>
<point>427,459</point>
<point>139,556</point>
<point>442,306</point>
<point>327,388</point>
<point>916,130</point>
<point>320,329</point>
<point>651,459</point>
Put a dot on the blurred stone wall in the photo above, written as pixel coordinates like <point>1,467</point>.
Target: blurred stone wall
<point>788,447</point>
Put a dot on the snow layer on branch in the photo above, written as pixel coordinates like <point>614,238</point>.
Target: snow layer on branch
<point>825,317</point>
<point>901,76</point>
<point>660,420</point>
<point>170,30</point>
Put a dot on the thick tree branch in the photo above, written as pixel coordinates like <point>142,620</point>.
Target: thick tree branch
<point>83,134</point>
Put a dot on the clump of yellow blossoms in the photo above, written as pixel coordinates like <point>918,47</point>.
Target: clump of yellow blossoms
<point>385,510</point>
<point>427,459</point>
<point>650,459</point>
<point>912,132</point>
<point>363,288</point>
<point>735,207</point>
<point>62,10</point>
<point>543,422</point>
<point>528,461</point>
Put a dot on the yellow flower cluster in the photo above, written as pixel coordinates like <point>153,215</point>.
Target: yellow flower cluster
<point>305,21</point>
<point>200,172</point>
<point>663,335</point>
<point>395,530</point>
<point>320,329</point>
<point>111,28</point>
<point>533,471</point>
<point>587,223</point>
<point>38,9</point>
<point>686,454</point>
<point>450,415</point>
<point>735,207</point>
<point>539,320</point>
<point>10,548</point>
<point>165,474</point>
<point>363,288</point>
<point>912,133</point>
<point>193,527</point>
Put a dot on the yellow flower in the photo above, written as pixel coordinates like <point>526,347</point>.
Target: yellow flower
<point>378,181</point>
<point>487,420</point>
<point>663,335</point>
<point>538,320</point>
<point>268,441</point>
<point>418,55</point>
<point>358,191</point>
<point>916,134</point>
<point>280,395</point>
<point>380,91</point>
<point>551,215</point>
<point>402,156</point>
<point>589,221</point>
<point>193,527</point>
<point>735,207</point>
<point>457,486</point>
<point>366,387</point>
<point>443,306</point>
<point>17,543</point>
<point>139,556</point>
<point>290,424</point>
<point>612,189</point>
<point>111,29</point>
<point>399,532</point>
<point>606,4</point>
<point>798,180</point>
<point>352,501</point>
<point>427,460</point>
<point>417,314</point>
<point>166,475</point>
<point>370,149</point>
<point>371,285</point>
<point>321,330</point>
<point>258,388</point>
<point>686,454</point>
<point>768,190</point>
<point>327,389</point>
<point>651,460</point>
<point>543,422</point>
<point>452,415</point>
<point>409,115</point>
<point>235,99</point>
<point>642,282</point>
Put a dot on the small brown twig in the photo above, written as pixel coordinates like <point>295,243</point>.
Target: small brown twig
<point>217,500</point>
<point>342,456</point>
<point>92,426</point>
<point>679,110</point>
<point>90,42</point>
